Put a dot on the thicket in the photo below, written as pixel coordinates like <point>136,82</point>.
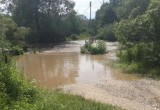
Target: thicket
<point>113,12</point>
<point>136,25</point>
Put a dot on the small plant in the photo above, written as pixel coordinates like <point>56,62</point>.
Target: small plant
<point>17,51</point>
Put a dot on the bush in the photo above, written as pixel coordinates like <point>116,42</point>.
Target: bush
<point>74,37</point>
<point>96,48</point>
<point>17,51</point>
<point>15,92</point>
<point>101,46</point>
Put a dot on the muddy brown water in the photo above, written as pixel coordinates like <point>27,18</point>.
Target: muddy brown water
<point>64,65</point>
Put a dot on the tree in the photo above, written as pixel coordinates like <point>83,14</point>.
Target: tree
<point>106,15</point>
<point>4,44</point>
<point>46,18</point>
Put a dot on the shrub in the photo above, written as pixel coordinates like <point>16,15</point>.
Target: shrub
<point>101,46</point>
<point>96,48</point>
<point>73,37</point>
<point>17,51</point>
<point>15,91</point>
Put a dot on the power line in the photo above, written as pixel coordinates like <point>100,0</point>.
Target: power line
<point>85,10</point>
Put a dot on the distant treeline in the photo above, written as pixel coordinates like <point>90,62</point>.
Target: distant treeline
<point>44,21</point>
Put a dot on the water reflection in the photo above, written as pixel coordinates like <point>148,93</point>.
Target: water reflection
<point>50,70</point>
<point>61,68</point>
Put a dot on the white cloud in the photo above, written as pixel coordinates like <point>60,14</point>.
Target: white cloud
<point>82,6</point>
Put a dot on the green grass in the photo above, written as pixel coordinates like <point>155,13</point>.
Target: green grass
<point>57,100</point>
<point>135,68</point>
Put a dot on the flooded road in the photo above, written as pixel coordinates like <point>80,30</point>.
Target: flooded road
<point>90,76</point>
<point>63,65</point>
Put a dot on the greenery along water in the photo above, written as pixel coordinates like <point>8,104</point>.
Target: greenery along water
<point>136,25</point>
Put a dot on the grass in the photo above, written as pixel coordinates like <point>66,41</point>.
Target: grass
<point>136,68</point>
<point>57,100</point>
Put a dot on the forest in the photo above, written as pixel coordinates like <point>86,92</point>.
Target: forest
<point>135,24</point>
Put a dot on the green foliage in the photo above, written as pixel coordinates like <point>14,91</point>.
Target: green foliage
<point>12,38</point>
<point>73,37</point>
<point>115,11</point>
<point>106,15</point>
<point>20,36</point>
<point>106,33</point>
<point>140,40</point>
<point>16,51</point>
<point>59,101</point>
<point>47,21</point>
<point>84,50</point>
<point>101,46</point>
<point>96,48</point>
<point>83,36</point>
<point>15,92</point>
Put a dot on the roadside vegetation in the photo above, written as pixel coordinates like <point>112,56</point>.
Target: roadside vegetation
<point>136,26</point>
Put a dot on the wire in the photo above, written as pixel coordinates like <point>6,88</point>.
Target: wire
<point>86,10</point>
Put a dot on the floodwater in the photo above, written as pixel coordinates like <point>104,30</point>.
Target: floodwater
<point>63,65</point>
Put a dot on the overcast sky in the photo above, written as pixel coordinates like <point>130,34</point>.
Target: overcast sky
<point>82,6</point>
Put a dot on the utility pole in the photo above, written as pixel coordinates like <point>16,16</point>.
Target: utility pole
<point>103,1</point>
<point>90,14</point>
<point>90,10</point>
